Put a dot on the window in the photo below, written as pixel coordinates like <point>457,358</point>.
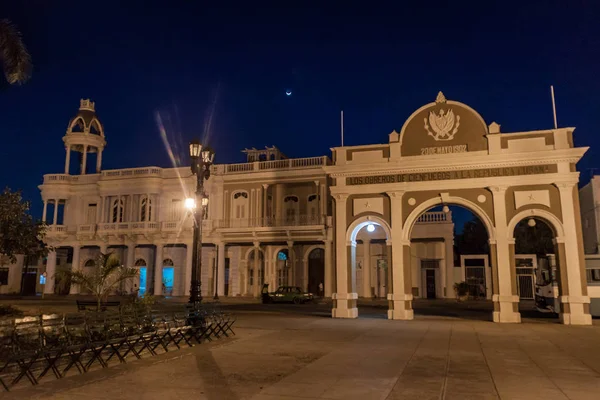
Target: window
<point>146,209</point>
<point>176,209</point>
<point>593,276</point>
<point>240,202</point>
<point>91,213</point>
<point>3,276</point>
<point>140,262</point>
<point>117,210</point>
<point>290,204</point>
<point>89,263</point>
<point>313,206</point>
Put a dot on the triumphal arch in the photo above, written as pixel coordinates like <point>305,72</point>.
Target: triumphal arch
<point>446,154</point>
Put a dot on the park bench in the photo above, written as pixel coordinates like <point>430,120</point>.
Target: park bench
<point>34,347</point>
<point>85,305</point>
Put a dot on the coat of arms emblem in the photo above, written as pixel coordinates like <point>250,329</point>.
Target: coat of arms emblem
<point>444,124</point>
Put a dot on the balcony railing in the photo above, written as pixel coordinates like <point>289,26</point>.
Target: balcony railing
<point>435,217</point>
<point>57,229</point>
<point>291,163</point>
<point>302,220</point>
<point>132,173</point>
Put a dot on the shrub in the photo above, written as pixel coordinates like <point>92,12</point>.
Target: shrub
<point>461,288</point>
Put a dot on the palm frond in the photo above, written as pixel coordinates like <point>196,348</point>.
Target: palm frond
<point>14,56</point>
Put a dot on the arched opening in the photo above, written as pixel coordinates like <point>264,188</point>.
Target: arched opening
<point>316,271</point>
<point>283,268</point>
<point>142,278</point>
<point>367,255</point>
<point>450,264</point>
<point>255,272</point>
<point>168,277</point>
<point>536,268</point>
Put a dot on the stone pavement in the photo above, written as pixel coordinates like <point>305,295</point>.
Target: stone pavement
<point>280,356</point>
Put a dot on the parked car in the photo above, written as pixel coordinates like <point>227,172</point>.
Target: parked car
<point>290,294</point>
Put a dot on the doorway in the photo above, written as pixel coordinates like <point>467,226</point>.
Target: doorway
<point>143,278</point>
<point>168,275</point>
<point>430,283</point>
<point>316,271</point>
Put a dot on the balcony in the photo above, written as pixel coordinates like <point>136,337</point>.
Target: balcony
<point>288,164</point>
<point>57,229</point>
<point>147,172</point>
<point>269,222</point>
<point>435,217</point>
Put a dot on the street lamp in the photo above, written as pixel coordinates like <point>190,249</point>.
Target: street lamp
<point>201,161</point>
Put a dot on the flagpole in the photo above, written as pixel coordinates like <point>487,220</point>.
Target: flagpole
<point>553,106</point>
<point>342,125</point>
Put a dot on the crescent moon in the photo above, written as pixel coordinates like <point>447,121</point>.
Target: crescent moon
<point>288,92</point>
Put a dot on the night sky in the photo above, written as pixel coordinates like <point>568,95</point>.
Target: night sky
<point>189,61</point>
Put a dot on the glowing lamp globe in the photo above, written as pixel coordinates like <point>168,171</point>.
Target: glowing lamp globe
<point>190,203</point>
<point>371,228</point>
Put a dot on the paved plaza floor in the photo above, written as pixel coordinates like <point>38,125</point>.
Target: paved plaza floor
<point>298,352</point>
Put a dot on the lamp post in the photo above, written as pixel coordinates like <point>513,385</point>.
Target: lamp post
<point>201,161</point>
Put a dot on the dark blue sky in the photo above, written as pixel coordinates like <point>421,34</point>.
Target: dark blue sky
<point>379,65</point>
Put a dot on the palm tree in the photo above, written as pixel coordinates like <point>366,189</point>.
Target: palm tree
<point>14,57</point>
<point>103,279</point>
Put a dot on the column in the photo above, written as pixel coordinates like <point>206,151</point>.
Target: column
<point>221,268</point>
<point>84,161</point>
<point>400,298</point>
<point>292,257</point>
<point>55,220</point>
<point>328,284</point>
<point>75,266</point>
<point>45,210</point>
<point>67,159</point>
<point>158,266</point>
<point>189,252</point>
<point>98,161</point>
<point>129,207</point>
<point>265,200</point>
<point>367,268</point>
<point>506,302</point>
<point>344,299</point>
<point>102,208</point>
<point>449,247</point>
<point>256,286</point>
<point>574,299</point>
<point>50,271</point>
<point>318,199</point>
<point>130,263</point>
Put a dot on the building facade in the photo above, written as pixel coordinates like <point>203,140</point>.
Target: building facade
<point>269,220</point>
<point>360,223</point>
<point>589,197</point>
<point>444,154</point>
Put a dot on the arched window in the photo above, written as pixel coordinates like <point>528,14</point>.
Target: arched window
<point>117,210</point>
<point>282,268</point>
<point>77,125</point>
<point>290,204</point>
<point>167,262</point>
<point>146,209</point>
<point>95,128</point>
<point>140,262</point>
<point>239,205</point>
<point>89,263</point>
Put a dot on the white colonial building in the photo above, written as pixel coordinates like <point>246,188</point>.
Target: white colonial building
<point>269,220</point>
<point>361,223</point>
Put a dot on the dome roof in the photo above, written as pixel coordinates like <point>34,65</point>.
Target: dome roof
<point>86,121</point>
